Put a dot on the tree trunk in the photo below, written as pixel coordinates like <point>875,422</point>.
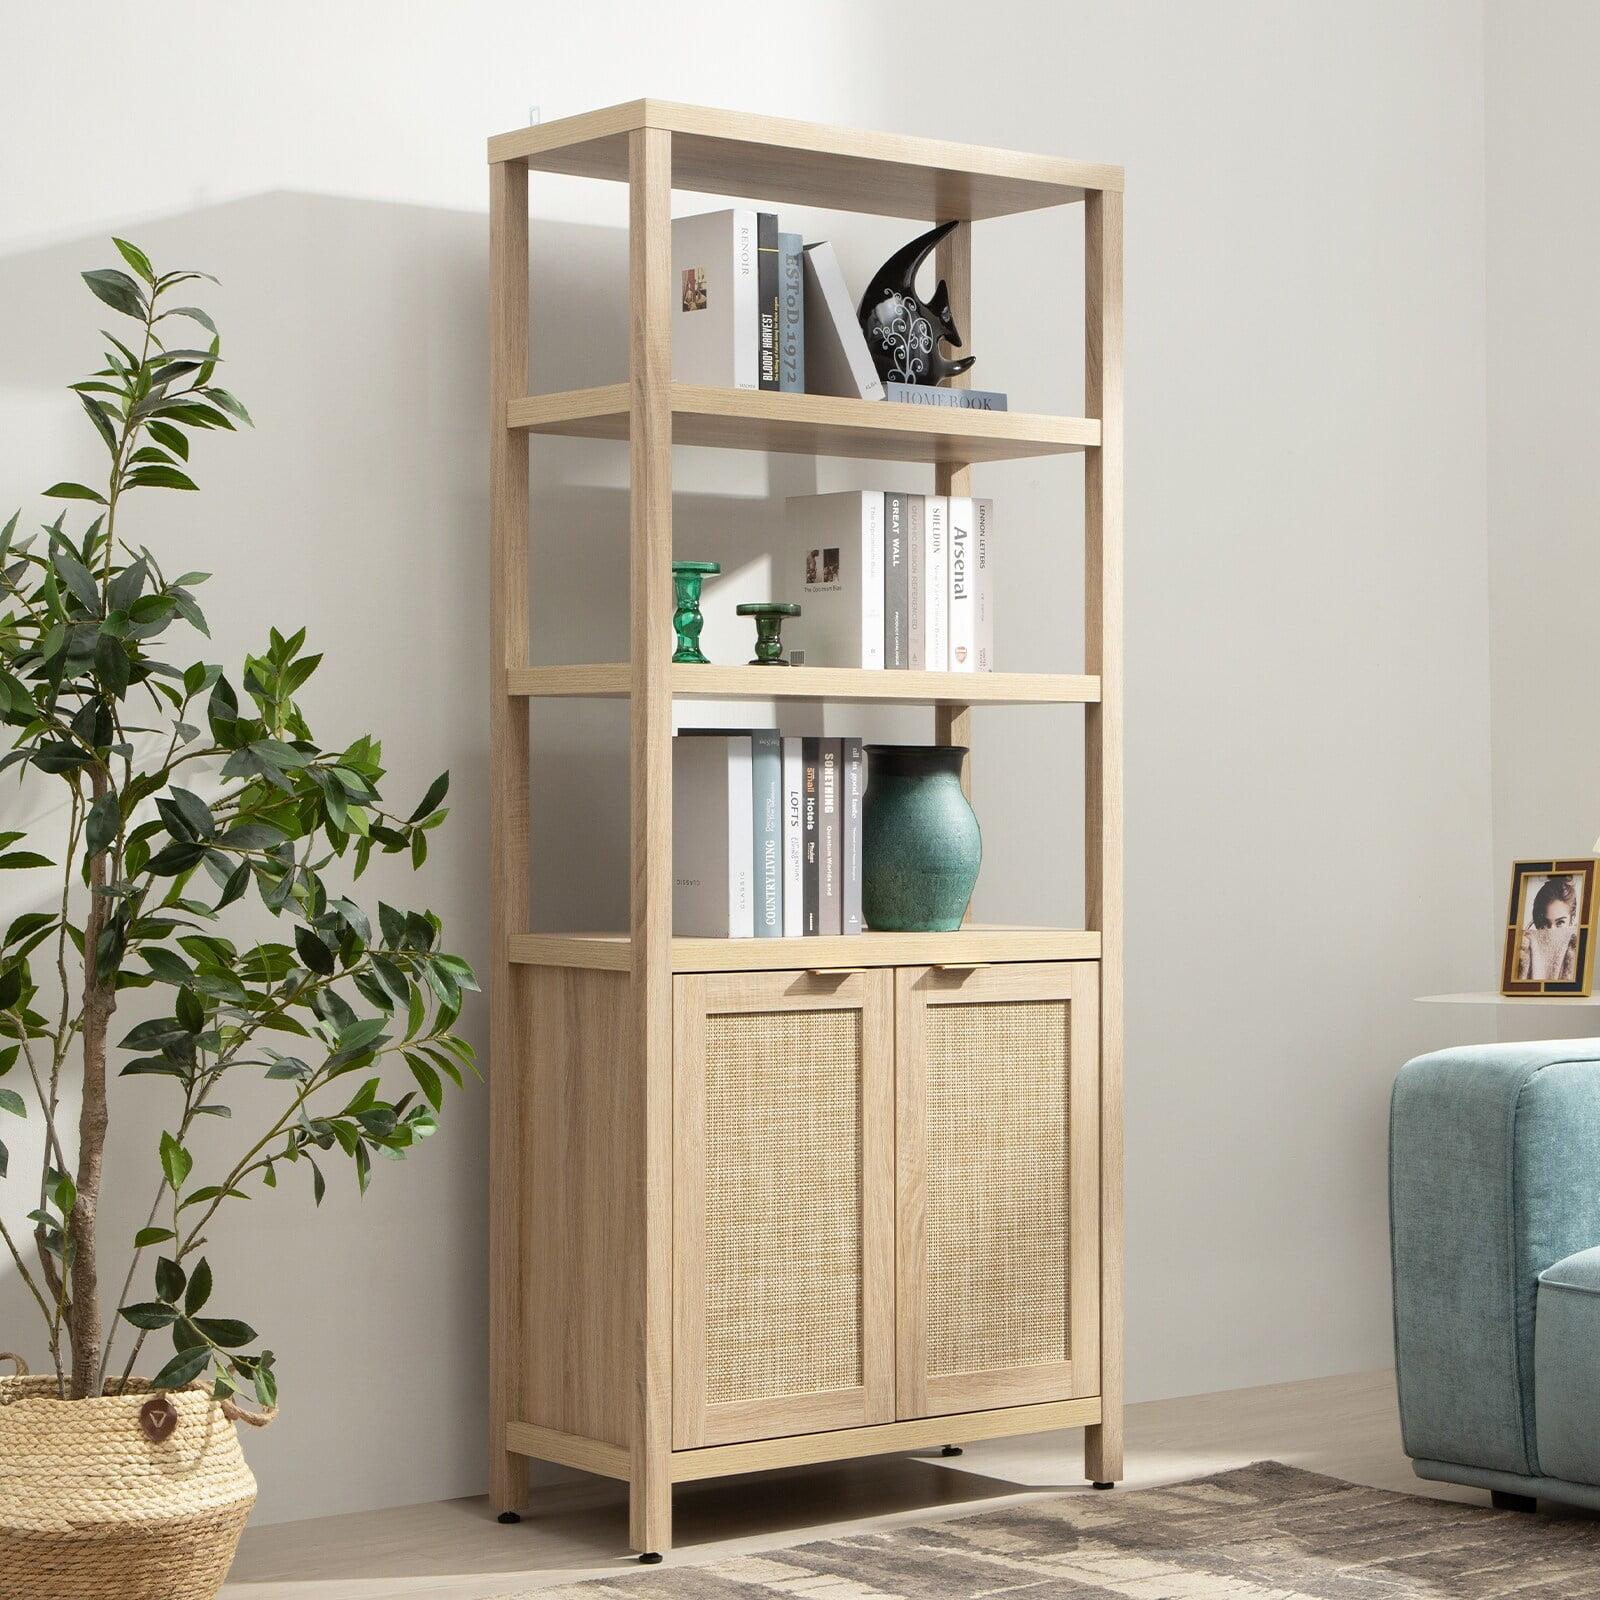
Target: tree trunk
<point>99,1001</point>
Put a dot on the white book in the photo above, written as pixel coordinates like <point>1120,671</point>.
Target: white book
<point>836,556</point>
<point>794,884</point>
<point>963,573</point>
<point>936,583</point>
<point>712,824</point>
<point>837,358</point>
<point>916,580</point>
<point>983,532</point>
<point>716,329</point>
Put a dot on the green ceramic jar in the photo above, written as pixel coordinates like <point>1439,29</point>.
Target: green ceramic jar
<point>920,844</point>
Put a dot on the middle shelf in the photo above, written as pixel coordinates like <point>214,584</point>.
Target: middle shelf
<point>812,424</point>
<point>611,680</point>
<point>974,945</point>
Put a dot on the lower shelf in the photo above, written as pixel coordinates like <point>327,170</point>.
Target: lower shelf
<point>761,1455</point>
<point>976,944</point>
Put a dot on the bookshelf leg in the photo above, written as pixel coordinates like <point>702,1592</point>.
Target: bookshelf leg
<point>650,1508</point>
<point>1102,1451</point>
<point>508,1485</point>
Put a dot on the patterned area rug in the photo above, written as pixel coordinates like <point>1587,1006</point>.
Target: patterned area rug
<point>1264,1532</point>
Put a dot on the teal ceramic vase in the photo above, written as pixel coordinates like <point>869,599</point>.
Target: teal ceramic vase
<point>920,844</point>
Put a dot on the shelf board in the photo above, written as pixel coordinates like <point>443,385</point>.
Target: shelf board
<point>1487,997</point>
<point>979,943</point>
<point>809,163</point>
<point>612,680</point>
<point>812,424</point>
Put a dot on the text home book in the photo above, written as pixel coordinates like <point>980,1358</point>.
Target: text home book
<point>716,327</point>
<point>836,566</point>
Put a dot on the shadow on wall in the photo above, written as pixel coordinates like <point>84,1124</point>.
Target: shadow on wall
<point>356,333</point>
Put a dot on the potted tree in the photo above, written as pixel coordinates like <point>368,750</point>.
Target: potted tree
<point>189,795</point>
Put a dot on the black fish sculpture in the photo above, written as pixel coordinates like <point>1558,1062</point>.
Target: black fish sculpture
<point>904,332</point>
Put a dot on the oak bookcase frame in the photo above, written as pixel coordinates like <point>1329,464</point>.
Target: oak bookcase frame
<point>581,1182</point>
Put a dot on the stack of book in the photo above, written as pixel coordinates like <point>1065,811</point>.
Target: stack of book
<point>893,579</point>
<point>766,834</point>
<point>755,308</point>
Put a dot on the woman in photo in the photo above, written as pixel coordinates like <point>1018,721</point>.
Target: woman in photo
<point>1550,939</point>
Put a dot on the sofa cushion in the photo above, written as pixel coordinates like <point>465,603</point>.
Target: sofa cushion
<point>1566,1367</point>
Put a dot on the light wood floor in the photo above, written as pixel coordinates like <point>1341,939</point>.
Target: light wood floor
<point>455,1550</point>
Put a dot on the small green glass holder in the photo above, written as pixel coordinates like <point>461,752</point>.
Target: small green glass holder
<point>687,577</point>
<point>769,615</point>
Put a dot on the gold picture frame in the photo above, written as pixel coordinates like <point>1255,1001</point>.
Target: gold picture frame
<point>1550,928</point>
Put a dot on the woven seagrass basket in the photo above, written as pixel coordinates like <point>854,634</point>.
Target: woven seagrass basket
<point>128,1497</point>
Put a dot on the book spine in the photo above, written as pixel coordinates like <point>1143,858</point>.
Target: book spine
<point>872,579</point>
<point>963,616</point>
<point>767,296</point>
<point>936,584</point>
<point>811,822</point>
<point>766,776</point>
<point>916,582</point>
<point>741,824</point>
<point>830,895</point>
<point>916,394</point>
<point>983,588</point>
<point>794,846</point>
<point>896,584</point>
<point>855,772</point>
<point>746,330</point>
<point>791,315</point>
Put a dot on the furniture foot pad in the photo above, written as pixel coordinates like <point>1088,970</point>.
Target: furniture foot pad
<point>508,1517</point>
<point>1105,1485</point>
<point>951,1450</point>
<point>649,1558</point>
<point>1502,1501</point>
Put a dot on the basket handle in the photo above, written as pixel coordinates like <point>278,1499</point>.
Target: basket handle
<point>20,1364</point>
<point>251,1419</point>
<point>238,1413</point>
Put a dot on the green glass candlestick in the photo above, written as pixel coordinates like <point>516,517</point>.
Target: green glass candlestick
<point>687,576</point>
<point>769,615</point>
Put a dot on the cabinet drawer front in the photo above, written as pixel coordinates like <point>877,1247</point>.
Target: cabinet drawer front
<point>783,1195</point>
<point>998,1166</point>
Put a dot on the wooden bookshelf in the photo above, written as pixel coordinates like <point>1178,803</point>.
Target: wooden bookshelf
<point>812,424</point>
<point>614,681</point>
<point>974,944</point>
<point>808,163</point>
<point>617,1059</point>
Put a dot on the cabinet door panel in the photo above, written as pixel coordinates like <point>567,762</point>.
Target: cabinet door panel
<point>998,1186</point>
<point>783,1204</point>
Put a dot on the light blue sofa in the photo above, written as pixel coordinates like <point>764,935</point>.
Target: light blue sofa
<point>1494,1213</point>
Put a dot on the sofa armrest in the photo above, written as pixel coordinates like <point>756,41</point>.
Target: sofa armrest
<point>1494,1174</point>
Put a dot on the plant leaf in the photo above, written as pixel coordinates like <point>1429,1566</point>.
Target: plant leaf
<point>136,258</point>
<point>199,1290</point>
<point>227,1332</point>
<point>118,290</point>
<point>183,1368</point>
<point>74,491</point>
<point>176,1162</point>
<point>150,1314</point>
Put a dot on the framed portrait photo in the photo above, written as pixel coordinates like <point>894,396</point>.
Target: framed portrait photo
<point>1550,928</point>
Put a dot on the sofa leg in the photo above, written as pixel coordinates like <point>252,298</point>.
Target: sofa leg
<point>1512,1502</point>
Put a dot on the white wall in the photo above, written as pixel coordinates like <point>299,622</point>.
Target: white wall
<point>1543,419</point>
<point>1309,810</point>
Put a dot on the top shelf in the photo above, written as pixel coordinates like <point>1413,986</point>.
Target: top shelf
<point>809,163</point>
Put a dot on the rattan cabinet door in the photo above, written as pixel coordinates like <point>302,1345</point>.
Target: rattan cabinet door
<point>998,1186</point>
<point>783,1204</point>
